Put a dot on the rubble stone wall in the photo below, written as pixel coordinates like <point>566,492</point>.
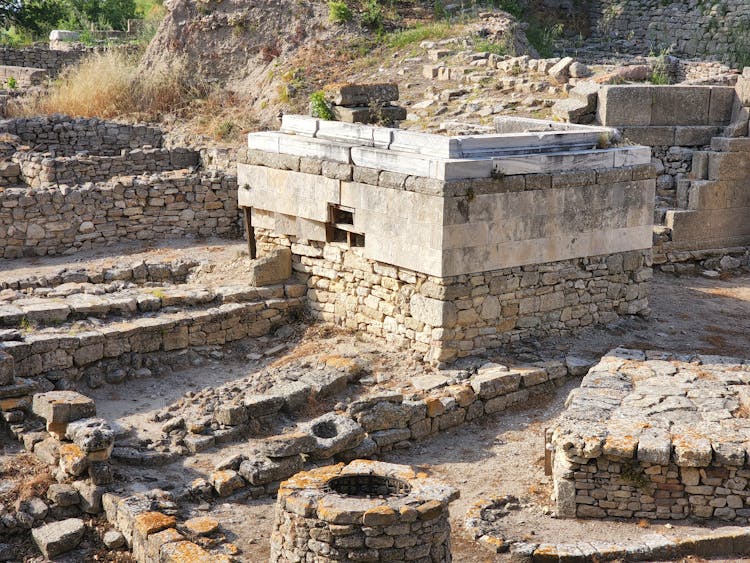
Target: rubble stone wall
<point>56,220</point>
<point>66,136</point>
<point>146,342</point>
<point>39,56</point>
<point>38,169</point>
<point>446,318</point>
<point>692,27</point>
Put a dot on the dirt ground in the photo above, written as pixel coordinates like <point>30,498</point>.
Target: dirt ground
<point>503,454</point>
<point>498,455</point>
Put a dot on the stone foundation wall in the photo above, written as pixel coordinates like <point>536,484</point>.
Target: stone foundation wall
<point>56,220</point>
<point>39,169</point>
<point>39,56</point>
<point>115,353</point>
<point>447,318</point>
<point>66,136</point>
<point>612,487</point>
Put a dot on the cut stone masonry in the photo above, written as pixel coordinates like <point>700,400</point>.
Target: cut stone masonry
<point>454,244</point>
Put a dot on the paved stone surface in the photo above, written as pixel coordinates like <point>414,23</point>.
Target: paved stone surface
<point>654,435</point>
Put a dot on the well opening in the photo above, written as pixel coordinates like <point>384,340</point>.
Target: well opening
<point>325,429</point>
<point>368,486</point>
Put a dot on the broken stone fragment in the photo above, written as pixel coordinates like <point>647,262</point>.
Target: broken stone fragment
<point>264,470</point>
<point>59,537</point>
<point>92,435</point>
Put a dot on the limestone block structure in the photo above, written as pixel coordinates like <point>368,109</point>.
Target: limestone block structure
<point>454,244</point>
<point>658,436</point>
<point>363,511</point>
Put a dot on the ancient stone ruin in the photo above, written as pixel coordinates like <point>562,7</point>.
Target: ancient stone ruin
<point>491,238</point>
<point>364,510</point>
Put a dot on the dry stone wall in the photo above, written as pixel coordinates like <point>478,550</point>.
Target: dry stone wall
<point>654,435</point>
<point>446,318</point>
<point>39,56</point>
<point>63,219</point>
<point>65,136</point>
<point>693,27</point>
<point>38,169</point>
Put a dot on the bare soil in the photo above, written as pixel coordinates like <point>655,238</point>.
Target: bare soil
<point>498,455</point>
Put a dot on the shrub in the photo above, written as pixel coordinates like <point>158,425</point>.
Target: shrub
<point>319,106</point>
<point>372,16</point>
<point>338,11</point>
<point>12,83</point>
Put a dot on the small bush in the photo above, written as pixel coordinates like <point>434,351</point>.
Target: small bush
<point>484,46</point>
<point>372,16</point>
<point>319,106</point>
<point>338,11</point>
<point>12,83</point>
<point>542,38</point>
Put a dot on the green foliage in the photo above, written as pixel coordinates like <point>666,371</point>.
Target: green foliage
<point>542,38</point>
<point>224,129</point>
<point>485,46</point>
<point>406,37</point>
<point>510,6</point>
<point>319,106</point>
<point>12,83</point>
<point>14,36</point>
<point>339,11</point>
<point>372,15</point>
<point>659,77</point>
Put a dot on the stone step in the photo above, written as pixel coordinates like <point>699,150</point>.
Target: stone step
<point>25,313</point>
<point>727,144</point>
<point>175,271</point>
<point>69,351</point>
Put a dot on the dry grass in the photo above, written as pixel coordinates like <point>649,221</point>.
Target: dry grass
<point>30,477</point>
<point>110,84</point>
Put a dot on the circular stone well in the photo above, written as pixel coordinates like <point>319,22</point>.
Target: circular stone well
<point>363,511</point>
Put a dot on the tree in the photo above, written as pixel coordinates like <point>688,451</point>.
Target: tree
<point>102,13</point>
<point>36,16</point>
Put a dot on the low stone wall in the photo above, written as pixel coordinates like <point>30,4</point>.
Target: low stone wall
<point>40,169</point>
<point>39,56</point>
<point>66,136</point>
<point>24,76</point>
<point>446,318</point>
<point>65,219</point>
<point>650,435</point>
<point>99,355</point>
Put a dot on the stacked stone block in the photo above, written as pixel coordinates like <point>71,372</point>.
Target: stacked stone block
<point>314,519</point>
<point>41,169</point>
<point>655,436</point>
<point>50,220</point>
<point>365,103</point>
<point>40,57</point>
<point>689,27</point>
<point>467,242</point>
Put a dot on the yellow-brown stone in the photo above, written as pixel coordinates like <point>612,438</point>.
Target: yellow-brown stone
<point>188,552</point>
<point>435,406</point>
<point>14,404</point>
<point>202,525</point>
<point>380,516</point>
<point>148,523</point>
<point>430,510</point>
